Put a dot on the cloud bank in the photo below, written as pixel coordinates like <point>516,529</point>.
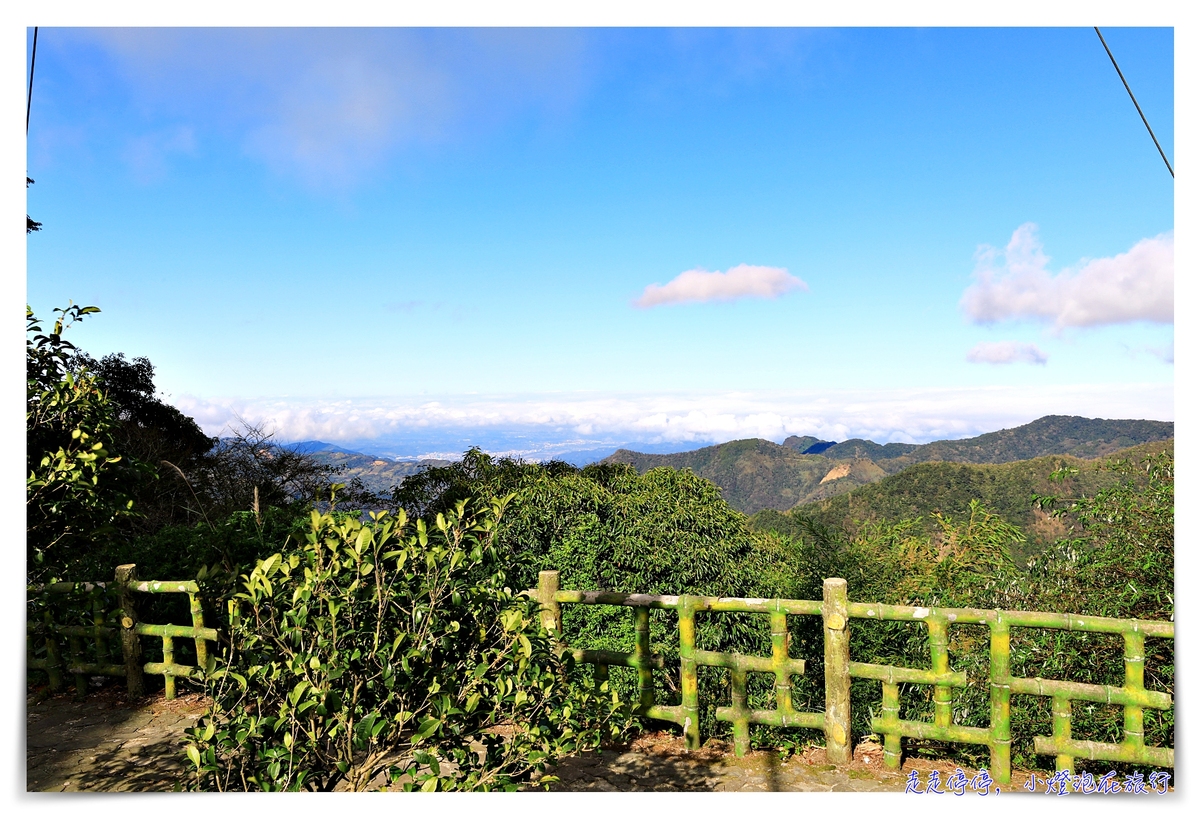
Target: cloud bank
<point>1138,285</point>
<point>1005,352</point>
<point>535,424</point>
<point>742,281</point>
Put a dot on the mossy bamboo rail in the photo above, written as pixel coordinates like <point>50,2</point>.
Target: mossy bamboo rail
<point>837,611</point>
<point>124,628</point>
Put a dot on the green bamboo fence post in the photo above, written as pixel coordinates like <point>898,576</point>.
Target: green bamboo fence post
<point>201,644</point>
<point>168,665</point>
<point>131,648</point>
<point>690,705</point>
<point>939,661</point>
<point>837,671</point>
<point>891,715</point>
<point>551,610</point>
<point>641,650</point>
<point>1001,697</point>
<point>1135,682</point>
<point>53,658</point>
<point>1061,709</point>
<point>741,720</point>
<point>779,658</point>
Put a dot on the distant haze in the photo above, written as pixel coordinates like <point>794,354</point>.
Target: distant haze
<point>592,426</point>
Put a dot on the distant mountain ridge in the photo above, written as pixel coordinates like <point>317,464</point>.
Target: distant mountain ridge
<point>378,474</point>
<point>319,447</point>
<point>808,444</point>
<point>759,474</point>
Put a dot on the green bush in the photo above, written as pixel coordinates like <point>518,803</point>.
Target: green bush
<point>383,651</point>
<point>1117,562</point>
<point>76,486</point>
<point>608,527</point>
<point>962,563</point>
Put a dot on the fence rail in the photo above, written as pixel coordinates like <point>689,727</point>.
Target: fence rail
<point>65,652</point>
<point>836,612</point>
<point>115,619</point>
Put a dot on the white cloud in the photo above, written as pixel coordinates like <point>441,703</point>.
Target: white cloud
<point>331,105</point>
<point>533,422</point>
<point>742,281</point>
<point>1005,352</point>
<point>1137,285</point>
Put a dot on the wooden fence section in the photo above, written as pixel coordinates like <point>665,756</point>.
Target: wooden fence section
<point>836,612</point>
<point>91,650</point>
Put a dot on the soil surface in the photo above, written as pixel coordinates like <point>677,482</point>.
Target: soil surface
<point>658,762</point>
<point>104,744</point>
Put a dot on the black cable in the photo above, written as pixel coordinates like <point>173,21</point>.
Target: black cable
<point>30,225</point>
<point>29,96</point>
<point>1131,96</point>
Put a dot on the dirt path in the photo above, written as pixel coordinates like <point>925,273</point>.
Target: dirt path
<point>657,762</point>
<point>105,745</point>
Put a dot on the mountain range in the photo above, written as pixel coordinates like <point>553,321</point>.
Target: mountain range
<point>759,474</point>
<point>924,489</point>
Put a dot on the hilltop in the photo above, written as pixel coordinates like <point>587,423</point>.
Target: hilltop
<point>948,488</point>
<point>1085,438</point>
<point>758,474</point>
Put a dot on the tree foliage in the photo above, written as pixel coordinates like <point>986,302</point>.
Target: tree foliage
<point>608,527</point>
<point>247,470</point>
<point>116,474</point>
<point>74,491</point>
<point>30,225</point>
<point>149,431</point>
<point>382,651</point>
<point>1120,558</point>
<point>1116,561</point>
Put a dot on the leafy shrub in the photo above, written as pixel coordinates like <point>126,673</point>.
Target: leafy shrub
<point>665,531</point>
<point>962,563</point>
<point>1121,560</point>
<point>1117,562</point>
<point>76,485</point>
<point>383,650</point>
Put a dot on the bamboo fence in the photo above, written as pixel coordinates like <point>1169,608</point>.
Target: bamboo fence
<point>92,650</point>
<point>836,612</point>
<point>89,650</point>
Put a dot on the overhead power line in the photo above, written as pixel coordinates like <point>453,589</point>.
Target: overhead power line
<point>29,96</point>
<point>1131,96</point>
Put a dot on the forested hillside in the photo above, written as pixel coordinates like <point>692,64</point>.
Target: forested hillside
<point>926,489</point>
<point>758,474</point>
<point>1085,438</point>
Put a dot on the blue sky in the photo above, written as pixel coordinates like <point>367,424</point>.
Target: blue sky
<point>410,240</point>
